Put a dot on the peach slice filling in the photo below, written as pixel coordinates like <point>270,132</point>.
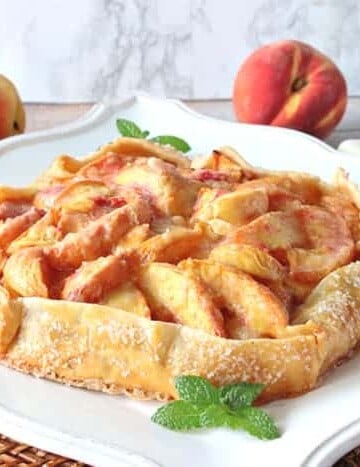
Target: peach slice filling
<point>117,225</point>
<point>250,309</point>
<point>175,296</point>
<point>310,240</point>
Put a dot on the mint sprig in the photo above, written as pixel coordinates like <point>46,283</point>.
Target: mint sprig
<point>202,405</point>
<point>132,130</point>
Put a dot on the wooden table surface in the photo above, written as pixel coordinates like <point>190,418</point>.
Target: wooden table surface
<point>40,116</point>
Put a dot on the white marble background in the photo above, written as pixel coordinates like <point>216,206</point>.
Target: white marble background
<point>82,50</point>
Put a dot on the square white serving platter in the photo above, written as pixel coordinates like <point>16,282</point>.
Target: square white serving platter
<point>317,428</point>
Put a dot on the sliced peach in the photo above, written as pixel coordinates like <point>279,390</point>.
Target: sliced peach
<point>12,228</point>
<point>275,232</point>
<point>161,225</point>
<point>133,238</point>
<point>226,158</point>
<point>305,188</point>
<point>94,279</point>
<point>308,188</point>
<point>70,220</point>
<point>203,205</point>
<point>61,170</point>
<point>343,206</point>
<point>223,158</point>
<point>45,198</point>
<point>10,209</point>
<point>104,168</point>
<point>17,195</point>
<point>175,296</point>
<point>283,200</point>
<point>170,192</point>
<point>224,165</point>
<point>298,290</point>
<point>238,207</point>
<point>227,179</point>
<point>279,198</point>
<point>81,195</point>
<point>249,259</point>
<point>232,154</point>
<point>97,239</point>
<point>3,259</point>
<point>330,244</point>
<point>129,298</point>
<point>138,198</point>
<point>282,291</point>
<point>220,227</point>
<point>171,246</point>
<point>216,161</point>
<point>345,186</point>
<point>42,233</point>
<point>253,310</point>
<point>27,272</point>
<point>312,265</point>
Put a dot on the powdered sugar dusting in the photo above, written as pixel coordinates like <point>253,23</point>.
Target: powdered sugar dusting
<point>272,362</point>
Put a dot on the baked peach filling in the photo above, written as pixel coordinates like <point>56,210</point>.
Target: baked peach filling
<point>216,245</point>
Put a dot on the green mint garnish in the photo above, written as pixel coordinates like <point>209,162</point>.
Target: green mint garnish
<point>178,416</point>
<point>173,141</point>
<point>131,130</point>
<point>202,405</point>
<point>251,419</point>
<point>257,422</point>
<point>195,389</point>
<point>240,395</point>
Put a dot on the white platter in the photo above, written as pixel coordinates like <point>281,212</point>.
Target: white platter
<point>103,430</point>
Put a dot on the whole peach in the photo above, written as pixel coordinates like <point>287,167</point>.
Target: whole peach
<point>12,115</point>
<point>290,84</point>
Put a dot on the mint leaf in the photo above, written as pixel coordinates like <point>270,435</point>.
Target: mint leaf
<point>129,128</point>
<point>196,389</point>
<point>178,416</point>
<point>174,141</point>
<point>256,422</point>
<point>215,416</point>
<point>240,395</point>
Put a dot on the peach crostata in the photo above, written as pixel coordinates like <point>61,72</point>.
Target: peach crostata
<point>134,265</point>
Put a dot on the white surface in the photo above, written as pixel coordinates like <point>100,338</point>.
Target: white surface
<point>74,51</point>
<point>350,146</point>
<point>317,428</point>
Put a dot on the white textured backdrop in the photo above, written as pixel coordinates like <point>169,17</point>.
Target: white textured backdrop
<point>81,50</point>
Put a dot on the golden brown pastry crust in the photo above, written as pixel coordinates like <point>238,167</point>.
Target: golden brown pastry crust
<point>111,350</point>
<point>115,350</point>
